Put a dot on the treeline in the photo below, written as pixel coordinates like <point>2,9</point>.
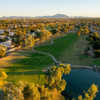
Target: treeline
<point>26,36</point>
<point>30,32</point>
<point>91,32</point>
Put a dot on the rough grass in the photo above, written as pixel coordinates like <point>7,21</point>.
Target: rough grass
<point>75,54</point>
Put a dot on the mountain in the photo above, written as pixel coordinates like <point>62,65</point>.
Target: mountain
<point>60,16</point>
<point>54,16</point>
<point>28,17</point>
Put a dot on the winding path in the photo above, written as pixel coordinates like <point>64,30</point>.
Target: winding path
<point>48,54</point>
<point>94,68</point>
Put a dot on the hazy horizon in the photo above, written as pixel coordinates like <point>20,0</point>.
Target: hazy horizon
<point>32,8</point>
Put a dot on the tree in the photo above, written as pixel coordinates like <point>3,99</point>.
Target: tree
<point>29,41</point>
<point>67,69</point>
<point>46,35</point>
<point>2,51</point>
<point>91,94</point>
<point>94,42</point>
<point>2,79</point>
<point>79,33</point>
<point>12,92</point>
<point>55,76</point>
<point>30,92</point>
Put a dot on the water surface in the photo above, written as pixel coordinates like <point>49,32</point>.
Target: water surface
<point>80,80</point>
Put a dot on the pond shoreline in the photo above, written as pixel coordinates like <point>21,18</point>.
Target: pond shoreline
<point>93,68</point>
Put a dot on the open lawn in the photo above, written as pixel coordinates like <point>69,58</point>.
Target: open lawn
<point>27,65</point>
<point>36,77</point>
<point>59,45</point>
<point>75,54</point>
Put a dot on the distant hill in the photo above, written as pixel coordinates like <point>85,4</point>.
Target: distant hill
<point>54,16</point>
<point>28,17</point>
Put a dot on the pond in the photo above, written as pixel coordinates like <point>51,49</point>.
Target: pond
<point>80,80</point>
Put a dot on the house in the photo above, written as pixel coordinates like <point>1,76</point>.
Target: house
<point>7,43</point>
<point>1,32</point>
<point>11,33</point>
<point>2,36</point>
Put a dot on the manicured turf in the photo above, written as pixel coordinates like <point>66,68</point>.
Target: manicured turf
<point>32,63</point>
<point>37,77</point>
<point>60,45</point>
<point>36,62</point>
<point>68,49</point>
<point>28,68</point>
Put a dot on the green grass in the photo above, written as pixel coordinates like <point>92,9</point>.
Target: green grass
<point>29,68</point>
<point>76,55</point>
<point>60,45</point>
<point>37,77</point>
<point>67,49</point>
<point>33,61</point>
<point>96,62</point>
<point>37,62</point>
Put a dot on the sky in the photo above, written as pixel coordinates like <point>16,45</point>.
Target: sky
<point>33,8</point>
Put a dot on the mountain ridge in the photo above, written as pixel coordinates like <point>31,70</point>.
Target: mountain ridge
<point>54,16</point>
